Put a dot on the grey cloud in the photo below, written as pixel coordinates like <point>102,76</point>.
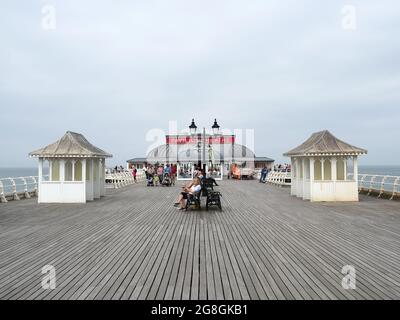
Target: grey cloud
<point>114,70</point>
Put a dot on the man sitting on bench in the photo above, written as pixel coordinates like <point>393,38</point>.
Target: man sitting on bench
<point>189,189</point>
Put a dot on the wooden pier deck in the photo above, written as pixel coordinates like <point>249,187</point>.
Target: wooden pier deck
<point>133,244</point>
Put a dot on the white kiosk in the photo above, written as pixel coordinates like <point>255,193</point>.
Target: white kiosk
<point>319,169</point>
<point>76,170</point>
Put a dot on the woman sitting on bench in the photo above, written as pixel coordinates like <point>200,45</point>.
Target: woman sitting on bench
<point>190,189</point>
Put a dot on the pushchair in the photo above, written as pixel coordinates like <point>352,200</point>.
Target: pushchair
<point>150,180</point>
<point>167,181</point>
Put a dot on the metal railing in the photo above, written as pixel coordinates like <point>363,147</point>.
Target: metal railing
<point>26,187</point>
<point>123,179</point>
<point>16,188</point>
<point>380,185</point>
<point>279,178</point>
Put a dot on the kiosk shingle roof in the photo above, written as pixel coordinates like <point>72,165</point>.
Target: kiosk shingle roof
<point>72,144</point>
<point>324,142</point>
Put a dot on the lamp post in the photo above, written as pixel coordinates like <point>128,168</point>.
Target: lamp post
<point>204,149</point>
<point>193,128</point>
<point>215,127</point>
<point>202,141</point>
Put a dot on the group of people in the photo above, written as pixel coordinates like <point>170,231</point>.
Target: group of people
<point>283,167</point>
<point>158,173</point>
<point>118,169</point>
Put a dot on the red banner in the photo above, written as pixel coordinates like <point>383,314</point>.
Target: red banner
<point>197,139</point>
<point>221,140</point>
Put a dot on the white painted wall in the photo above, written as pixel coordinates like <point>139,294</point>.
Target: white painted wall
<point>62,192</point>
<point>334,191</point>
<point>306,190</point>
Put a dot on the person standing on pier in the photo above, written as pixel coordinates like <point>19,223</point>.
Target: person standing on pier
<point>173,173</point>
<point>160,172</point>
<point>134,172</point>
<point>264,173</point>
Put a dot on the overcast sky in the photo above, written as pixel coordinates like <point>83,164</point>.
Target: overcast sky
<point>113,70</point>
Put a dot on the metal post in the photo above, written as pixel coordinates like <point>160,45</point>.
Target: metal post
<point>167,151</point>
<point>382,186</point>
<point>371,185</point>
<point>14,189</point>
<point>2,195</point>
<point>361,188</point>
<point>35,186</point>
<point>395,184</point>
<point>204,149</point>
<point>233,149</point>
<point>26,192</point>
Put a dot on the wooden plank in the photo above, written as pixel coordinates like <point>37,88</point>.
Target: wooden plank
<point>265,244</point>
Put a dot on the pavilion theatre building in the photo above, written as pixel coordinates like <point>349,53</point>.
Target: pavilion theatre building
<point>214,152</point>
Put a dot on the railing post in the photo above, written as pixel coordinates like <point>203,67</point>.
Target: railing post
<point>371,185</point>
<point>2,195</point>
<point>115,181</point>
<point>26,192</point>
<point>35,186</point>
<point>395,185</point>
<point>119,180</point>
<point>362,182</point>
<point>14,189</point>
<point>130,174</point>
<point>382,190</point>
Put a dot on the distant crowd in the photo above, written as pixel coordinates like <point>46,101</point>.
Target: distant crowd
<point>283,167</point>
<point>160,174</point>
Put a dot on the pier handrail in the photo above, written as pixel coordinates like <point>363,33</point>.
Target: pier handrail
<point>2,194</point>
<point>380,184</point>
<point>123,179</point>
<point>279,178</point>
<point>17,187</point>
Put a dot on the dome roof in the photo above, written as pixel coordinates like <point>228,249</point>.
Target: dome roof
<point>188,153</point>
